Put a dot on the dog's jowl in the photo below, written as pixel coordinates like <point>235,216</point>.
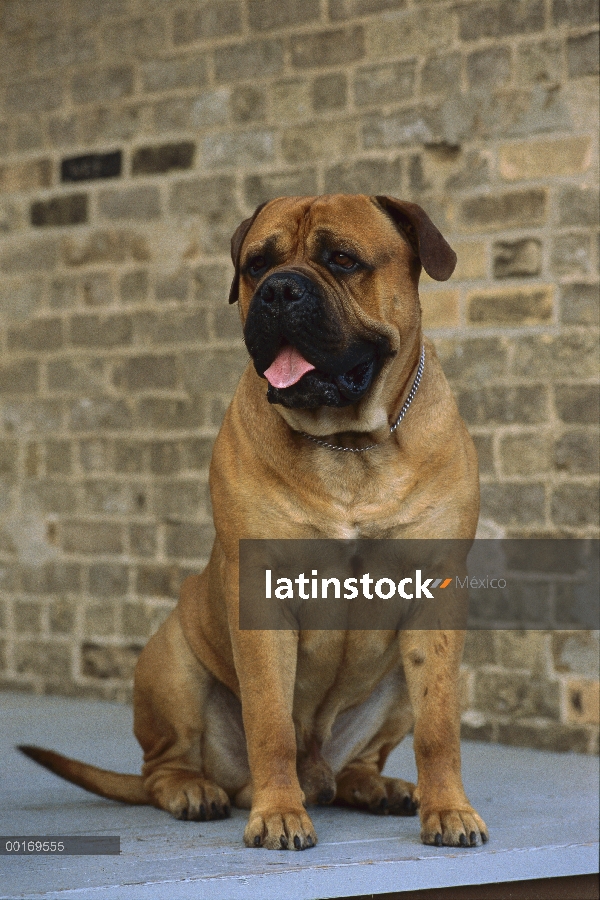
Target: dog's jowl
<point>342,426</point>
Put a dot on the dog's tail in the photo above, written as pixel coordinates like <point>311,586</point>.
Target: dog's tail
<point>112,785</point>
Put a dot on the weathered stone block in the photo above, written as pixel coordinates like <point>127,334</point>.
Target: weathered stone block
<point>545,159</point>
<point>500,17</point>
<point>238,148</point>
<point>214,19</point>
<point>178,499</point>
<point>527,405</point>
<point>139,38</point>
<point>258,188</point>
<point>390,82</point>
<point>37,335</point>
<point>216,371</point>
<point>175,286</point>
<point>571,254</point>
<point>161,75</point>
<point>27,617</point>
<point>58,457</point>
<point>566,355</point>
<point>545,736</point>
<point>189,541</point>
<point>130,203</point>
<point>578,206</point>
<point>102,85</point>
<point>322,140</point>
<point>105,247</point>
<point>365,176</point>
<point>414,30</point>
<point>489,67</point>
<point>513,504</point>
<point>574,12</point>
<point>575,505</point>
<point>583,701</point>
<point>291,100</point>
<point>226,324</point>
<point>525,454</point>
<point>26,176</point>
<point>479,361</point>
<point>441,74</point>
<point>81,375</point>
<point>60,211</point>
<point>164,457</point>
<point>19,377</point>
<point>582,55</point>
<point>109,661</point>
<point>405,126</point>
<point>108,580</point>
<point>61,616</point>
<point>213,201</point>
<point>158,581</point>
<point>163,158</point>
<point>34,95</point>
<point>577,452</point>
<point>264,15</point>
<point>440,308</point>
<point>143,373</point>
<point>129,456</point>
<point>513,209</point>
<point>91,537</point>
<point>328,48</point>
<point>8,457</point>
<point>348,9</point>
<point>539,61</point>
<point>243,62</point>
<point>579,304</point>
<point>329,92</point>
<point>196,453</point>
<point>45,658</point>
<point>578,404</point>
<point>35,255</point>
<point>511,307</point>
<point>90,414</point>
<point>165,414</point>
<point>517,259</point>
<point>248,103</point>
<point>93,331</point>
<point>143,540</point>
<point>134,286</point>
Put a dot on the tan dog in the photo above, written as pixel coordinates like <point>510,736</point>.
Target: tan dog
<point>271,720</point>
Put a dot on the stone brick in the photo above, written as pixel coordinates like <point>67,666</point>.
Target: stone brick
<point>365,176</point>
<point>215,371</point>
<point>578,404</point>
<point>174,286</point>
<point>109,331</point>
<point>472,260</point>
<point>214,19</point>
<point>113,497</point>
<point>539,61</point>
<point>140,38</point>
<point>290,100</point>
<point>544,736</point>
<point>27,617</point>
<point>143,540</point>
<point>102,85</point>
<point>130,203</point>
<point>164,457</point>
<point>513,209</point>
<point>91,537</point>
<point>525,454</point>
<point>105,247</point>
<point>577,453</point>
<point>575,505</point>
<point>525,404</point>
<point>577,206</point>
<point>58,457</point>
<point>19,377</point>
<point>75,376</point>
<point>500,17</point>
<point>490,67</point>
<point>258,188</point>
<point>404,126</point>
<point>440,308</point>
<point>37,335</point>
<point>429,27</point>
<point>248,103</point>
<point>237,147</point>
<point>480,361</point>
<point>142,373</point>
<point>571,254</point>
<point>34,255</point>
<point>34,95</point>
<point>328,48</point>
<point>189,541</point>
<point>60,211</point>
<point>67,47</point>
<point>441,74</point>
<point>545,159</point>
<point>129,456</point>
<point>583,701</point>
<point>61,616</point>
<point>48,659</point>
<point>112,123</point>
<point>162,75</point>
<point>521,306</point>
<point>177,499</point>
<point>141,619</point>
<point>158,581</point>
<point>211,283</point>
<point>518,694</point>
<point>264,15</point>
<point>27,415</point>
<point>163,158</point>
<point>323,140</point>
<point>20,299</point>
<point>108,580</point>
<point>517,259</point>
<point>393,80</point>
<point>196,454</point>
<point>100,412</point>
<point>567,355</point>
<point>348,9</point>
<point>8,457</point>
<point>579,304</point>
<point>165,414</point>
<point>26,176</point>
<point>574,12</point>
<point>329,92</point>
<point>582,55</point>
<point>109,661</point>
<point>51,578</point>
<point>133,287</point>
<point>576,652</point>
<point>212,200</point>
<point>245,62</point>
<point>513,504</point>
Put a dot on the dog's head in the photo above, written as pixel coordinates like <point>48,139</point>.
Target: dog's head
<point>327,288</point>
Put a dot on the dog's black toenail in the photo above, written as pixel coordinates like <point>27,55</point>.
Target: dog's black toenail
<point>283,842</point>
<point>473,838</point>
<point>202,812</point>
<point>438,840</point>
<point>484,838</point>
<point>462,840</point>
<point>257,840</point>
<point>297,842</point>
<point>309,841</point>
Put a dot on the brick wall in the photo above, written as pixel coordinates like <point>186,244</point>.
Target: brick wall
<point>134,136</point>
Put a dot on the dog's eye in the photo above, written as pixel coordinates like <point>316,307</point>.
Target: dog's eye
<point>256,264</point>
<point>342,259</point>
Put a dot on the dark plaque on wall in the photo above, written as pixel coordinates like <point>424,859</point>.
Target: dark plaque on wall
<point>95,165</point>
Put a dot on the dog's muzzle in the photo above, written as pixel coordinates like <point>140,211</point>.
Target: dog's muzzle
<point>298,343</point>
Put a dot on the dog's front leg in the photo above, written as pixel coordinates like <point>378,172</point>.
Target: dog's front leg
<point>265,663</point>
<point>431,662</point>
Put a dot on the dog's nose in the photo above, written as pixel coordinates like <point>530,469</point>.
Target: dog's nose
<point>282,287</point>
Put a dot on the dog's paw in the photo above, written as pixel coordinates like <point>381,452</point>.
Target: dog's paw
<point>280,830</point>
<point>376,793</point>
<point>316,780</point>
<point>453,828</point>
<point>190,797</point>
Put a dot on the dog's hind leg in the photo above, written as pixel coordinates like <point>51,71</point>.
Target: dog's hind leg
<point>171,691</point>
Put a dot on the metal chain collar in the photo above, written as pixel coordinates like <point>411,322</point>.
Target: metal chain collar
<point>402,413</point>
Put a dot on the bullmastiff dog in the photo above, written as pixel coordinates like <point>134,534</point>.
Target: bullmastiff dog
<point>312,446</point>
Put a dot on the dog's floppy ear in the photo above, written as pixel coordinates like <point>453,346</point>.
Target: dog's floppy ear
<point>236,245</point>
<point>436,255</point>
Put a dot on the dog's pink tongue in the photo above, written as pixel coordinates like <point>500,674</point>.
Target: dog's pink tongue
<point>288,368</point>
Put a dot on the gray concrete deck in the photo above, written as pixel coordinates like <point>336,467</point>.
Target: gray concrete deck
<point>541,809</point>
